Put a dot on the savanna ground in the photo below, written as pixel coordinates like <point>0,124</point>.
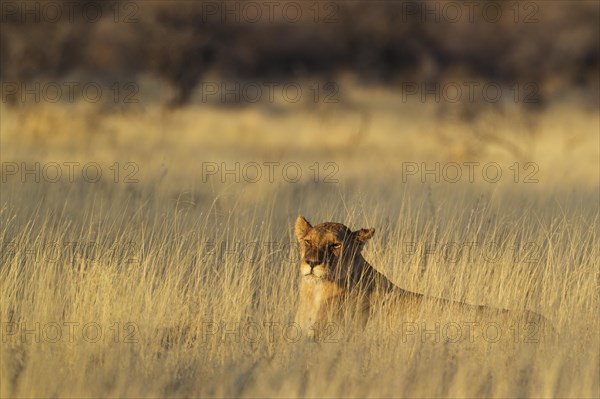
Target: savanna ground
<point>158,280</point>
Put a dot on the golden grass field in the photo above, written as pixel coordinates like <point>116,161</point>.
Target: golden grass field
<point>161,281</point>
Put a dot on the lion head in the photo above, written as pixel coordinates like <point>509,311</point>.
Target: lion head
<point>329,251</point>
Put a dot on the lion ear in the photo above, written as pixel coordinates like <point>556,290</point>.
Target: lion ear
<point>363,235</point>
<point>302,227</point>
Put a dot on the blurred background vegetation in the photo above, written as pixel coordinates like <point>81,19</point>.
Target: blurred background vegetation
<point>552,43</point>
<point>397,80</point>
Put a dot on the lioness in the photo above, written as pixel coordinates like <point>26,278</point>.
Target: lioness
<point>338,284</point>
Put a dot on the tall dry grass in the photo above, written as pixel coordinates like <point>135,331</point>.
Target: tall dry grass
<point>172,286</point>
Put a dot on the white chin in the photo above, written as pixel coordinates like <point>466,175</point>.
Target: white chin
<point>313,276</point>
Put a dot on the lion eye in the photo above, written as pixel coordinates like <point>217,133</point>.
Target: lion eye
<point>307,242</point>
<point>335,245</point>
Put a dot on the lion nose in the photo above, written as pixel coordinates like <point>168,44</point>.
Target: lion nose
<point>313,263</point>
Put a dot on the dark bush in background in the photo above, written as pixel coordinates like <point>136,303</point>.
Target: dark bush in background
<point>554,43</point>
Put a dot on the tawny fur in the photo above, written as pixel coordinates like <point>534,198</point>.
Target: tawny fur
<point>338,284</point>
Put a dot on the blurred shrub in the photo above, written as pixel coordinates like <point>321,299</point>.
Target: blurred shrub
<point>555,44</point>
